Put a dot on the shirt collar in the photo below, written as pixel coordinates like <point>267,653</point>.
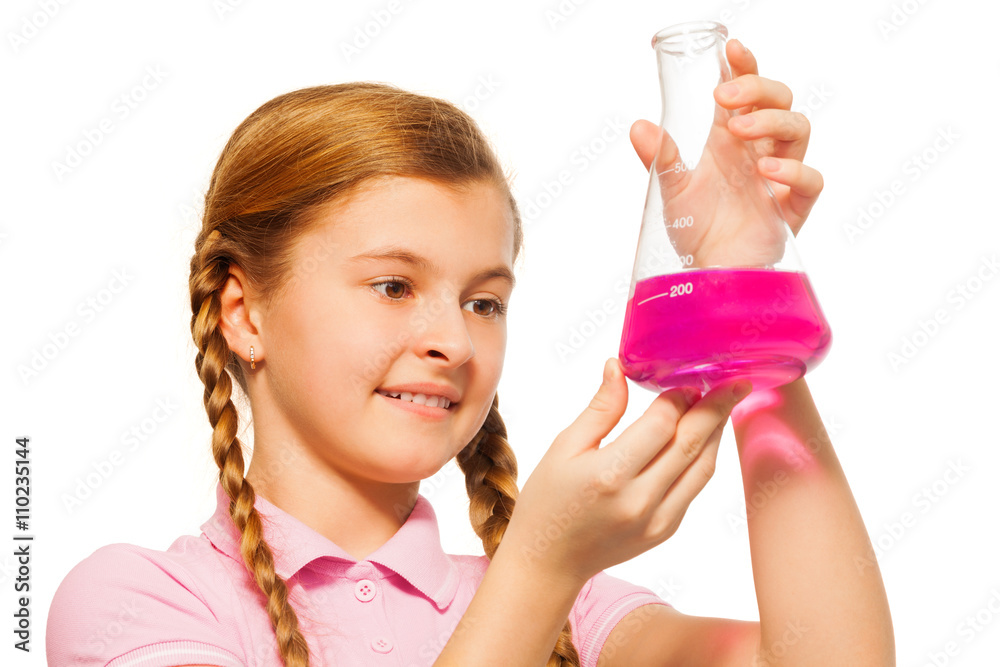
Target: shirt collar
<point>414,552</point>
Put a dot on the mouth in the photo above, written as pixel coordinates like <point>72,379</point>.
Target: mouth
<point>425,400</point>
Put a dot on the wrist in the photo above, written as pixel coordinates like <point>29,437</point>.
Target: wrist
<point>534,555</point>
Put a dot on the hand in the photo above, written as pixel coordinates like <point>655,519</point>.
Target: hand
<point>719,193</point>
<point>586,507</point>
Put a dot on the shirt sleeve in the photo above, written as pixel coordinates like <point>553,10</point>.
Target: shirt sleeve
<point>601,604</point>
<point>125,605</point>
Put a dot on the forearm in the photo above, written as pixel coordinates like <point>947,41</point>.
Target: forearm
<point>819,590</point>
<point>515,616</point>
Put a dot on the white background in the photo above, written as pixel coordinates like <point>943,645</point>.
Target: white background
<point>875,99</point>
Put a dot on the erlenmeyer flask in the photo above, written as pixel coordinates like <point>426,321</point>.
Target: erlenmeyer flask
<point>718,292</point>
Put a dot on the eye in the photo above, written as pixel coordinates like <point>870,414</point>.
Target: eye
<point>499,309</point>
<point>397,283</point>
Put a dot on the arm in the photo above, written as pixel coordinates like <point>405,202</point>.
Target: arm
<point>819,589</point>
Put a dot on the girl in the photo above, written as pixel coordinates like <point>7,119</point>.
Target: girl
<point>352,276</point>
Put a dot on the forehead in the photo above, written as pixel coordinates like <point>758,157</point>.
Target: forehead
<point>397,215</point>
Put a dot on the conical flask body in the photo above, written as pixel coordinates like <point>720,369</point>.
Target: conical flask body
<point>718,291</point>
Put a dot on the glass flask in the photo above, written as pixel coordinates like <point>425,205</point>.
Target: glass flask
<point>718,291</point>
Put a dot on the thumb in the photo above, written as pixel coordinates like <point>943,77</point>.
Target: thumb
<point>605,410</point>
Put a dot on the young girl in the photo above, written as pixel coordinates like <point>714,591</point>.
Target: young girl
<point>352,276</point>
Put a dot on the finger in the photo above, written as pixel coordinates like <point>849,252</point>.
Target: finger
<point>600,416</point>
<point>644,438</point>
<point>741,60</point>
<point>799,187</point>
<point>693,432</point>
<point>667,516</point>
<point>787,130</point>
<point>651,142</point>
<point>645,137</point>
<point>751,90</point>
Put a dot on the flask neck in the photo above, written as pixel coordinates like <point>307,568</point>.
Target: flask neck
<point>691,60</point>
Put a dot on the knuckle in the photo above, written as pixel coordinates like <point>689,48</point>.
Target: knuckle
<point>689,445</point>
<point>707,469</point>
<point>634,510</point>
<point>784,95</point>
<point>661,420</point>
<point>600,403</point>
<point>606,482</point>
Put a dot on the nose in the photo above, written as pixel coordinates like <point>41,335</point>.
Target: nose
<point>442,331</point>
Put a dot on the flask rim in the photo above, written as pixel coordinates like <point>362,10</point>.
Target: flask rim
<point>689,38</point>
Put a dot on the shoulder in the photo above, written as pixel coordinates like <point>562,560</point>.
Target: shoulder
<point>127,600</point>
<point>601,604</point>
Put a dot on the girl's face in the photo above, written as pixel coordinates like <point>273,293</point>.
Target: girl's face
<point>401,285</point>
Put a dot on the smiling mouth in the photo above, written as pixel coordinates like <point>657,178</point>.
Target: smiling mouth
<point>419,399</point>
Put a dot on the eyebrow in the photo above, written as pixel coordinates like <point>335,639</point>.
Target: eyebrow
<point>403,255</point>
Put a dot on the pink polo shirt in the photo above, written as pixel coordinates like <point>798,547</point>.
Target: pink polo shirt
<point>195,603</point>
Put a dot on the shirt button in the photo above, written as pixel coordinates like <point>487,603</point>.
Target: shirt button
<point>381,645</point>
<point>364,590</point>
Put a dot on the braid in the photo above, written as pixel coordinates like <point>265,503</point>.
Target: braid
<point>491,481</point>
<point>211,361</point>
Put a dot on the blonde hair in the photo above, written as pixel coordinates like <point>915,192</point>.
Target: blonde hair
<point>296,152</point>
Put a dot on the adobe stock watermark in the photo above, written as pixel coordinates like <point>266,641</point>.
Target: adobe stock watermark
<point>739,176</point>
<point>561,11</point>
<point>431,486</point>
<point>792,634</point>
<point>223,8</point>
<point>127,613</point>
<point>86,311</point>
<point>580,160</point>
<point>121,108</point>
<point>782,299</point>
<point>921,504</point>
<point>817,98</point>
<point>593,319</point>
<point>925,330</point>
<point>913,167</point>
<point>32,24</point>
<point>366,33</point>
<point>900,14</point>
<point>973,625</point>
<point>631,626</point>
<point>191,211</point>
<point>588,495</point>
<point>420,318</point>
<point>797,459</point>
<point>130,441</point>
<point>433,646</point>
<point>316,255</point>
<point>483,90</point>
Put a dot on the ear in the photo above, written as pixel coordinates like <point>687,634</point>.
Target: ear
<point>239,319</point>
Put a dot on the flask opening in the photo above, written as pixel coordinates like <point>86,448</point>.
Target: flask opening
<point>690,39</point>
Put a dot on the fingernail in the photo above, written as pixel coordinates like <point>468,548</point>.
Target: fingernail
<point>744,121</point>
<point>742,389</point>
<point>691,395</point>
<point>745,49</point>
<point>609,370</point>
<point>730,90</point>
<point>769,164</point>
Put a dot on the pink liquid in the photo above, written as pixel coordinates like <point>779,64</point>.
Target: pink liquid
<point>707,327</point>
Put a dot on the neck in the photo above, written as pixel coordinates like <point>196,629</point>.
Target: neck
<point>359,516</point>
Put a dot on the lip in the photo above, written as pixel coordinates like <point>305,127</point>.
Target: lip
<point>428,388</point>
<point>416,408</point>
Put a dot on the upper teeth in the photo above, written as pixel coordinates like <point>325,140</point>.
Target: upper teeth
<point>422,399</point>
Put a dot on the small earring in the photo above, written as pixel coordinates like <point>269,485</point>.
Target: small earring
<point>252,364</point>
